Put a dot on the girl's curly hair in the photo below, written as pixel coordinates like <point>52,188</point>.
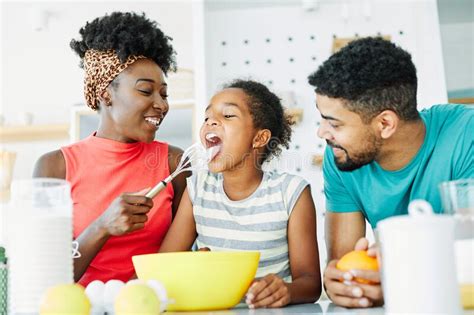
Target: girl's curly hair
<point>267,112</point>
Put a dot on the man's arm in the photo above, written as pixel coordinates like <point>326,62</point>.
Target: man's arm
<point>343,230</point>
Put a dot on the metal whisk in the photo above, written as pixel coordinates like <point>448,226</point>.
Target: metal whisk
<point>194,158</point>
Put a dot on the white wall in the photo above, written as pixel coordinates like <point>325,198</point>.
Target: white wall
<point>40,73</point>
<point>458,52</point>
<point>261,31</point>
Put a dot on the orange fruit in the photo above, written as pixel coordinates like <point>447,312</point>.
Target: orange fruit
<point>358,259</point>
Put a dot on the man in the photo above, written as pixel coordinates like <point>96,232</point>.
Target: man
<point>381,154</point>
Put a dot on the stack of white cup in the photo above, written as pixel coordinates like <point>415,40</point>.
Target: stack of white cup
<point>39,241</point>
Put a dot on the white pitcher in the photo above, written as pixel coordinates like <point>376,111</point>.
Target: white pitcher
<point>418,267</point>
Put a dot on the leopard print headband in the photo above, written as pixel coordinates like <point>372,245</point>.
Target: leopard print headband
<point>101,68</point>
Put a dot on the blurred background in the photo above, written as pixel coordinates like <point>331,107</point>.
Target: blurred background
<point>278,42</point>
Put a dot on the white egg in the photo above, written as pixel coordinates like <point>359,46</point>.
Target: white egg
<point>95,293</point>
<point>111,289</point>
<point>160,291</point>
<point>136,281</point>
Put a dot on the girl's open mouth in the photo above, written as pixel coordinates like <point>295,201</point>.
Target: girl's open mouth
<point>213,145</point>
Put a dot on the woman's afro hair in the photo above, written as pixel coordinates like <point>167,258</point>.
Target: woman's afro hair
<point>127,33</point>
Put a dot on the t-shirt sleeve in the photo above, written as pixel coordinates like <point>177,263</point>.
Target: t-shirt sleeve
<point>337,196</point>
<point>294,186</point>
<point>464,167</point>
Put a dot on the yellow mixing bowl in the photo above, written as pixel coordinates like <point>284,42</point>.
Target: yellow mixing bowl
<point>200,280</point>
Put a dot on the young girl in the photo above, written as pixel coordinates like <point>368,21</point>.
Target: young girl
<point>237,206</point>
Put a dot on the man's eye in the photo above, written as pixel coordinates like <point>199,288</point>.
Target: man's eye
<point>164,96</point>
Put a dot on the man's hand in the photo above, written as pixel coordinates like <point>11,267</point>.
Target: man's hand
<point>343,290</point>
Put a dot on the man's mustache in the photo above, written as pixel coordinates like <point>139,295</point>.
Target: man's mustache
<point>332,144</point>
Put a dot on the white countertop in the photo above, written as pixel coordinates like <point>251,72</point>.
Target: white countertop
<point>319,308</point>
<point>324,307</point>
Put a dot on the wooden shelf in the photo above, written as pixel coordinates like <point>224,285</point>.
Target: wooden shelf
<point>339,42</point>
<point>462,100</point>
<point>16,133</point>
<point>33,132</point>
<point>296,114</point>
<point>318,160</point>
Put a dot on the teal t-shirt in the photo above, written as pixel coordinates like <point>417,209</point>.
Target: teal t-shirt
<point>446,154</point>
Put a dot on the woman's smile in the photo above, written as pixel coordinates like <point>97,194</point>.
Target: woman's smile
<point>154,122</point>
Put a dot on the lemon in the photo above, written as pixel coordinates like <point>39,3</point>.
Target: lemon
<point>467,296</point>
<point>135,299</point>
<point>63,299</point>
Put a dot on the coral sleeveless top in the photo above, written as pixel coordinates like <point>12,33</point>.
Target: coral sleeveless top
<point>99,170</point>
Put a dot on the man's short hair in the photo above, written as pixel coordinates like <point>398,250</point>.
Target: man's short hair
<point>371,75</point>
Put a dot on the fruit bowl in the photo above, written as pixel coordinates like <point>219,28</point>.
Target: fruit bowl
<point>200,280</point>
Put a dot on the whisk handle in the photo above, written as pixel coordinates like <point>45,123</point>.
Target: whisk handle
<point>155,190</point>
<point>159,187</point>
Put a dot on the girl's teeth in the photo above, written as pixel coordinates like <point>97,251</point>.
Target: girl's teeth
<point>209,136</point>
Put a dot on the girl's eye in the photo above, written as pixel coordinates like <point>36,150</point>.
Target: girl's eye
<point>206,119</point>
<point>333,126</point>
<point>229,116</point>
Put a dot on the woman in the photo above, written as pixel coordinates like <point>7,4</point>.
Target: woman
<point>125,57</point>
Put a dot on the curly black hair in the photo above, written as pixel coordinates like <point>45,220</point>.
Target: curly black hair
<point>267,113</point>
<point>371,75</point>
<point>127,33</point>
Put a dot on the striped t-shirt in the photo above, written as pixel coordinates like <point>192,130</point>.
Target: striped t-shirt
<point>256,223</point>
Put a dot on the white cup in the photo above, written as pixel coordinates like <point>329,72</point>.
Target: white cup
<point>418,266</point>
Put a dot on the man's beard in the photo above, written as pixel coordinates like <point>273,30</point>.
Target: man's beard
<point>356,160</point>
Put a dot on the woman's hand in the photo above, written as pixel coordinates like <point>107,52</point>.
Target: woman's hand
<point>343,290</point>
<point>269,291</point>
<point>127,213</point>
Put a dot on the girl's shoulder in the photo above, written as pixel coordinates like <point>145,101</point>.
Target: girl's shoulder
<point>276,178</point>
<point>289,187</point>
<point>202,176</point>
